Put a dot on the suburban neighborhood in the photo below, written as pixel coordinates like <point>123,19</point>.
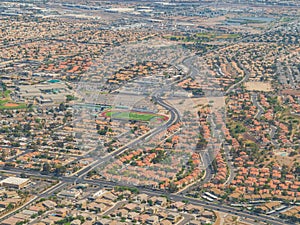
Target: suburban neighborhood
<point>144,112</point>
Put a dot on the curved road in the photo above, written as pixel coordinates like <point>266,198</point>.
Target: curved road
<point>174,118</point>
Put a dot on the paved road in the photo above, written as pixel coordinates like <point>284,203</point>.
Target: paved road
<point>230,165</point>
<point>208,205</point>
<point>228,209</point>
<point>205,156</point>
<point>116,206</point>
<point>175,197</point>
<point>174,118</point>
<point>261,110</point>
<point>186,219</point>
<point>15,211</point>
<point>246,77</point>
<point>273,130</point>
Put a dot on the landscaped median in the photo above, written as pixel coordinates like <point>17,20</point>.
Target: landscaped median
<point>133,115</point>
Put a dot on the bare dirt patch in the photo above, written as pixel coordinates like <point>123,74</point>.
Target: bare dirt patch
<point>11,105</point>
<point>258,86</point>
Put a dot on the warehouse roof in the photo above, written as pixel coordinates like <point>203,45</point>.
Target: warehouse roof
<point>14,180</point>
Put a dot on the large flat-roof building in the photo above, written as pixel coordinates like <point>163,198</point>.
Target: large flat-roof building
<point>14,182</point>
<point>44,93</point>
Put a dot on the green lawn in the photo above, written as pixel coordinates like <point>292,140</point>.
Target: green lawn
<point>6,99</point>
<point>132,115</point>
<point>3,101</point>
<point>20,106</point>
<point>6,93</point>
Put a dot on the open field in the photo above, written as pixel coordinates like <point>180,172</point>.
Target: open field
<point>258,86</point>
<point>5,103</point>
<point>133,115</point>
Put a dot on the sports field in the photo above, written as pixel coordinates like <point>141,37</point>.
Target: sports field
<point>133,115</point>
<point>11,105</point>
<point>6,103</point>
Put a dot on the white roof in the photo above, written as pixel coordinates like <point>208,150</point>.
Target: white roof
<point>14,180</point>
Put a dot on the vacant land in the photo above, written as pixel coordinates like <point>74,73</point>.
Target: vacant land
<point>259,86</point>
<point>203,37</point>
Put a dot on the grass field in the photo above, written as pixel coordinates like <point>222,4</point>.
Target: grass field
<point>6,93</point>
<point>6,103</point>
<point>131,115</point>
<point>3,101</point>
<point>9,105</point>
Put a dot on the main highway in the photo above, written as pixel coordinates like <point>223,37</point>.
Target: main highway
<point>64,181</point>
<point>198,202</point>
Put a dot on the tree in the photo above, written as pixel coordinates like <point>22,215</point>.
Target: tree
<point>62,107</point>
<point>102,132</point>
<point>60,144</point>
<point>46,168</point>
<point>21,222</point>
<point>23,175</point>
<point>70,98</point>
<point>173,187</point>
<point>60,170</point>
<point>3,155</point>
<point>10,206</point>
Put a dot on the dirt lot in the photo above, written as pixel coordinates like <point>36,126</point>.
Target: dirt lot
<point>10,105</point>
<point>258,86</point>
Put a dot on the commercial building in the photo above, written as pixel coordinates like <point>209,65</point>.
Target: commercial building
<point>14,182</point>
<point>44,93</point>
